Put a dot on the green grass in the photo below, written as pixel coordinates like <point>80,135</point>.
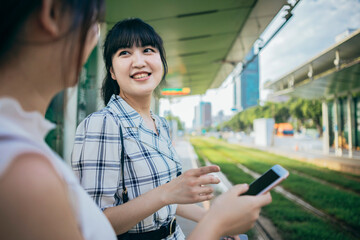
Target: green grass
<point>343,205</point>
<point>347,181</point>
<point>294,223</point>
<point>200,157</point>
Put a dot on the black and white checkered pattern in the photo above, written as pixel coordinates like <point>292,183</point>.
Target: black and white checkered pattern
<point>150,159</point>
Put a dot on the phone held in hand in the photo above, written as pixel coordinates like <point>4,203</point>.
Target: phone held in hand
<point>267,181</point>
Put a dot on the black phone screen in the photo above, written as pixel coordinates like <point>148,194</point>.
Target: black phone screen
<point>262,182</point>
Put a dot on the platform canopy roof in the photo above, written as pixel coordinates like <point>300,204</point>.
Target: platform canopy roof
<point>333,73</point>
<point>204,39</point>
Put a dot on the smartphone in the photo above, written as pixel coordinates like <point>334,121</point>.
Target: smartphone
<point>267,181</point>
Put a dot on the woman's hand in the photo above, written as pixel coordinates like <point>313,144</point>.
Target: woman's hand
<point>187,188</point>
<point>237,214</point>
<point>190,187</point>
<point>231,214</point>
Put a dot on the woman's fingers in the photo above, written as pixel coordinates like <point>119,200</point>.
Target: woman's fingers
<point>264,199</point>
<point>208,179</point>
<point>260,200</point>
<point>192,186</point>
<point>204,190</point>
<point>239,189</point>
<point>197,172</point>
<point>201,198</point>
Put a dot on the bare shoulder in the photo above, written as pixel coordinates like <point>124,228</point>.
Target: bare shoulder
<point>33,195</point>
<point>31,173</point>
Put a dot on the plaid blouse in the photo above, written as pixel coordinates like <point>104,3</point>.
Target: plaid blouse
<point>150,160</point>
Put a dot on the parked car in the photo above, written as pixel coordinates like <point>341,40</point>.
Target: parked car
<point>284,129</point>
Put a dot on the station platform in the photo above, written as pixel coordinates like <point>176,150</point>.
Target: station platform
<point>189,161</point>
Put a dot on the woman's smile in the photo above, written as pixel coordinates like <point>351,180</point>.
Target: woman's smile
<point>141,76</point>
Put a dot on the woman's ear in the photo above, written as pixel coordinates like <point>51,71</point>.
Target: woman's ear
<point>112,73</point>
<point>50,17</point>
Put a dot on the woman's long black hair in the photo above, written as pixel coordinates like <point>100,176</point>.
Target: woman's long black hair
<point>126,34</point>
<point>14,13</point>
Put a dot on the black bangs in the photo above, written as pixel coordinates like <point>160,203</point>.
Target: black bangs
<point>139,35</point>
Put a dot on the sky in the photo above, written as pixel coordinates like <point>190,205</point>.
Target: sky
<point>311,30</point>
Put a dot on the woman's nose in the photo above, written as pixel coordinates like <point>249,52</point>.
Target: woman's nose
<point>138,59</point>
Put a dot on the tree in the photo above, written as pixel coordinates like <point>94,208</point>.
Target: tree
<point>177,119</point>
<point>312,110</point>
<point>295,109</point>
<point>299,109</point>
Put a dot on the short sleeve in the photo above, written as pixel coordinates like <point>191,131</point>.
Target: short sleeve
<point>96,158</point>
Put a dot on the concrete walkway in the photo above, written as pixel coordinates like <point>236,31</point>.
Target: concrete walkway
<point>188,157</point>
<point>189,160</point>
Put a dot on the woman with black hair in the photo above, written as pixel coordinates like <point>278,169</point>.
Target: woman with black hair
<point>43,46</point>
<point>123,154</point>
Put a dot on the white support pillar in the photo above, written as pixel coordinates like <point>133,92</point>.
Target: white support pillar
<point>338,151</point>
<point>100,75</point>
<point>325,120</point>
<point>237,92</point>
<point>70,118</point>
<point>349,123</point>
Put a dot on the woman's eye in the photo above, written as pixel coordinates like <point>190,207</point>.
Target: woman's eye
<point>123,53</point>
<point>149,50</point>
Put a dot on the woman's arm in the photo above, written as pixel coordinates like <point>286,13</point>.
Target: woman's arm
<point>230,214</point>
<point>34,202</point>
<point>97,152</point>
<point>184,189</point>
<point>191,211</point>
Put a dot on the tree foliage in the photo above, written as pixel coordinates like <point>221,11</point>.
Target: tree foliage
<point>177,119</point>
<point>296,109</point>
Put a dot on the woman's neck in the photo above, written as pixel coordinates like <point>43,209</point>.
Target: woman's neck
<point>27,87</point>
<point>142,106</point>
<point>139,104</point>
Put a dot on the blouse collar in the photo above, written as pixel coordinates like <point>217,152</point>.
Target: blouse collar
<point>14,120</point>
<point>129,116</point>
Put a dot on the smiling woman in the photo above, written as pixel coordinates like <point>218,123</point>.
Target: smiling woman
<point>123,154</point>
<point>136,64</point>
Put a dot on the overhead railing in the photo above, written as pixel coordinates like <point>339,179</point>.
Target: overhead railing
<point>332,72</point>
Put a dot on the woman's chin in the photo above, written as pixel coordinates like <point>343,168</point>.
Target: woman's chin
<point>144,92</point>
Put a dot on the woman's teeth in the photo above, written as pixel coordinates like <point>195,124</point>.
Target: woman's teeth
<point>142,75</point>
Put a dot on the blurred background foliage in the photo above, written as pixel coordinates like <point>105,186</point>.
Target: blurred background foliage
<point>300,112</point>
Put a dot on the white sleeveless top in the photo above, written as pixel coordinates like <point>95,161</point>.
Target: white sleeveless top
<point>24,132</point>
